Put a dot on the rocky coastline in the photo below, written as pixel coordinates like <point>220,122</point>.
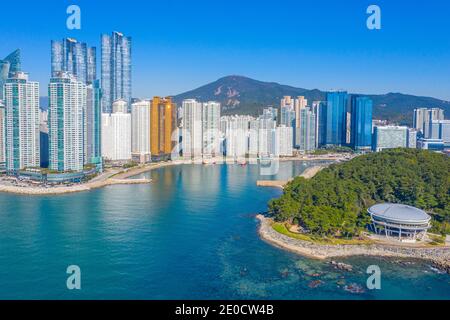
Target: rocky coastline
<point>438,256</point>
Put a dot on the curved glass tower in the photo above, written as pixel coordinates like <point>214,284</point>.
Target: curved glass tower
<point>116,69</point>
<point>8,67</point>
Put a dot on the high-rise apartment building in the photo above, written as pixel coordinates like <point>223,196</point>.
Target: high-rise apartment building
<point>287,112</point>
<point>191,131</point>
<point>440,129</point>
<point>116,133</point>
<point>93,124</point>
<point>284,145</point>
<point>235,130</point>
<point>361,122</point>
<point>67,107</point>
<point>2,135</point>
<point>140,133</point>
<point>211,129</point>
<point>21,99</point>
<point>306,130</point>
<point>75,58</point>
<point>336,116</point>
<point>319,108</point>
<point>115,69</point>
<point>8,67</point>
<point>423,118</point>
<point>163,127</point>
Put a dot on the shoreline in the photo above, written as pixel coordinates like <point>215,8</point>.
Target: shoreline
<point>309,173</point>
<point>438,256</point>
<point>112,177</point>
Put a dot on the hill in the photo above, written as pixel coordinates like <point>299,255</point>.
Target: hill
<point>242,95</point>
<point>336,200</point>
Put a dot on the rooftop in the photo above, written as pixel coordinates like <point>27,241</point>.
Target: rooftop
<point>399,212</point>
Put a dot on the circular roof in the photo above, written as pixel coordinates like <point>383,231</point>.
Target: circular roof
<point>399,212</point>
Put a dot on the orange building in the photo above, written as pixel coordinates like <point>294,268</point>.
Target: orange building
<point>163,124</point>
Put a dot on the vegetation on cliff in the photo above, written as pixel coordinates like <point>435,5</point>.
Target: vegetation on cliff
<point>335,201</point>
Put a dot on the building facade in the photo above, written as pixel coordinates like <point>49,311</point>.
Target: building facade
<point>423,118</point>
<point>389,137</point>
<point>163,131</point>
<point>336,114</point>
<point>361,123</point>
<point>140,133</point>
<point>2,135</point>
<point>191,132</point>
<point>115,69</point>
<point>306,130</point>
<point>22,145</point>
<point>8,67</point>
<point>75,58</point>
<point>93,124</point>
<point>67,107</point>
<point>284,138</point>
<point>211,129</point>
<point>116,133</point>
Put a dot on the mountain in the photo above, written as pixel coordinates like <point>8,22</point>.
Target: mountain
<point>242,95</point>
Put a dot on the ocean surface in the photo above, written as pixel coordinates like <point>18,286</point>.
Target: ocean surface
<point>191,234</point>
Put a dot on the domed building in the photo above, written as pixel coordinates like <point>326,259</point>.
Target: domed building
<point>402,222</point>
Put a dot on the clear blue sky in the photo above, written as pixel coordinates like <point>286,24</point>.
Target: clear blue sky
<point>179,45</point>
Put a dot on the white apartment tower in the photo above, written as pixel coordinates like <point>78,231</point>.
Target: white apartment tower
<point>140,133</point>
<point>116,133</point>
<point>191,131</point>
<point>210,129</point>
<point>67,105</point>
<point>2,135</point>
<point>21,99</point>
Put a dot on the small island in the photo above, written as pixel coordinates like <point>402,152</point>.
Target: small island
<point>327,216</point>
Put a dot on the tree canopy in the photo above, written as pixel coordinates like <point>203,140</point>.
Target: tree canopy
<point>335,201</point>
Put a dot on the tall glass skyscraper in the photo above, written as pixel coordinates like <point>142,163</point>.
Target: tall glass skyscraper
<point>8,67</point>
<point>92,122</point>
<point>361,123</point>
<point>75,58</point>
<point>115,69</point>
<point>336,114</point>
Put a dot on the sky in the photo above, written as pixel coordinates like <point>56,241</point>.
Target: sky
<point>179,45</point>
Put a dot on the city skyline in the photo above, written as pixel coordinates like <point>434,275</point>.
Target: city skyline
<point>401,57</point>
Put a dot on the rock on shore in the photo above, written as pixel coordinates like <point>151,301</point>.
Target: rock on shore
<point>439,256</point>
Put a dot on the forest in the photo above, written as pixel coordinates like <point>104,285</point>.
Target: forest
<point>334,203</point>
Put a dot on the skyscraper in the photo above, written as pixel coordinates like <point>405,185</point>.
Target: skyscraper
<point>163,125</point>
<point>306,131</point>
<point>67,105</point>
<point>115,69</point>
<point>284,145</point>
<point>22,123</point>
<point>287,112</point>
<point>336,113</point>
<point>423,118</point>
<point>320,110</point>
<point>361,123</point>
<point>8,67</point>
<point>75,58</point>
<point>2,135</point>
<point>192,128</point>
<point>210,129</point>
<point>116,133</point>
<point>140,131</point>
<point>93,119</point>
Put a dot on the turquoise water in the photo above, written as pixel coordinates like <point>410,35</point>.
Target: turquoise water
<point>191,234</point>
